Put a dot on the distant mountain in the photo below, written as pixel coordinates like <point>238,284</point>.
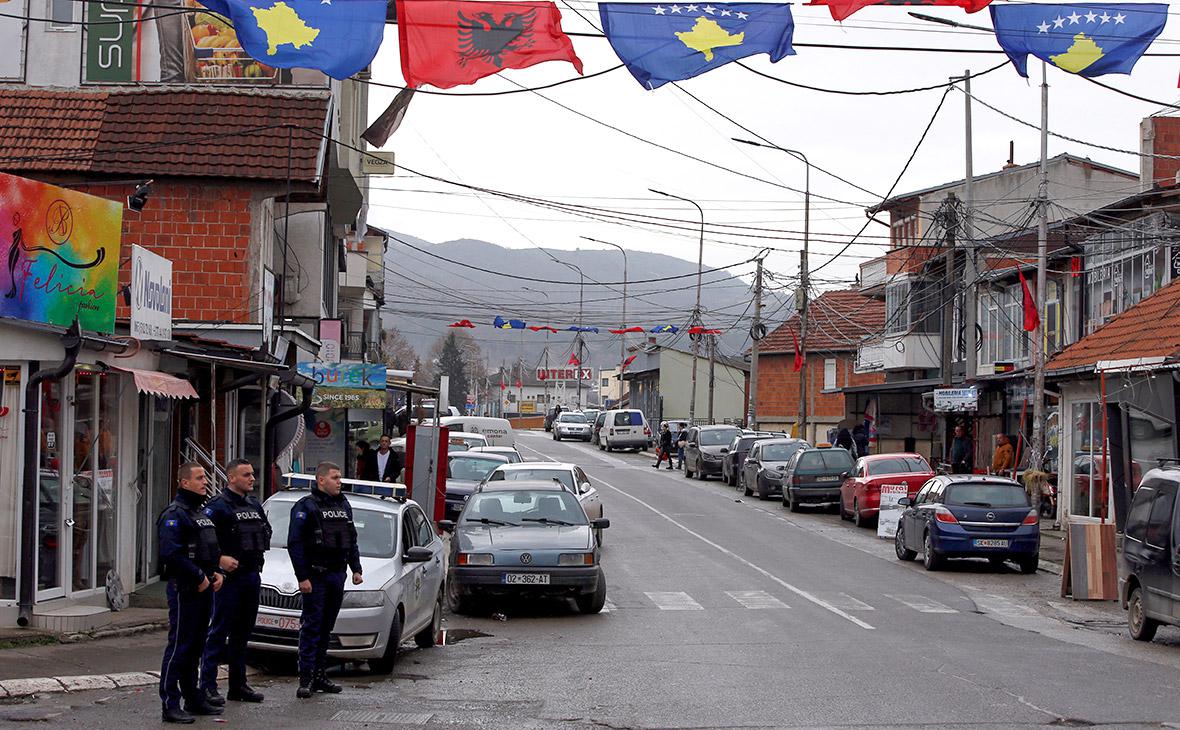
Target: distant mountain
<point>425,291</point>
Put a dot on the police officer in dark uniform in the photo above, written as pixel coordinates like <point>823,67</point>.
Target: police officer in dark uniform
<point>244,535</point>
<point>189,557</point>
<point>322,541</point>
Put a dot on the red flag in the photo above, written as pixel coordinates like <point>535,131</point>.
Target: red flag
<point>699,330</point>
<point>1031,319</point>
<point>503,385</point>
<point>841,9</point>
<point>627,362</point>
<point>518,382</point>
<point>625,331</point>
<point>462,323</point>
<point>574,360</point>
<point>798,355</point>
<point>536,328</point>
<point>449,43</point>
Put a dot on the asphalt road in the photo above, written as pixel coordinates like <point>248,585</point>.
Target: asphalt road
<point>728,612</point>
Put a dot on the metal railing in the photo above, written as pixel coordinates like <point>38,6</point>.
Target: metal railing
<point>354,345</point>
<point>194,452</point>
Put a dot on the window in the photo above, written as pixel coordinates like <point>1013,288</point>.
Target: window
<point>61,14</point>
<point>1140,510</point>
<point>606,382</point>
<point>1089,470</point>
<point>987,495</point>
<point>1123,266</point>
<point>425,535</point>
<point>899,465</point>
<point>1002,319</point>
<point>628,418</point>
<point>897,307</point>
<point>1159,524</point>
<point>830,374</point>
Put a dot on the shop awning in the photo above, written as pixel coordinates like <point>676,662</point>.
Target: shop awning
<point>257,366</point>
<point>161,384</point>
<point>900,386</point>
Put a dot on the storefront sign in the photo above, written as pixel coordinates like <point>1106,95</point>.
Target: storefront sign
<point>565,373</point>
<point>956,399</point>
<point>890,512</point>
<point>331,334</point>
<point>325,439</point>
<point>528,406</point>
<point>268,308</point>
<point>353,375</point>
<point>151,295</point>
<point>347,398</point>
<point>63,254</point>
<point>12,37</point>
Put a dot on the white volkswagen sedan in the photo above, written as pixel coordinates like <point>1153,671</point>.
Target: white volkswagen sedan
<point>403,592</point>
<point>569,476</point>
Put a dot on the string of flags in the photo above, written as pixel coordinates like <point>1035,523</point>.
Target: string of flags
<point>448,43</point>
<point>501,323</point>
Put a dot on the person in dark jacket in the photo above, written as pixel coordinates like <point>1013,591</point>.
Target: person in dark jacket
<point>384,464</point>
<point>322,542</point>
<point>664,448</point>
<point>844,441</point>
<point>681,442</point>
<point>962,452</point>
<point>189,556</point>
<point>243,533</point>
<point>860,437</point>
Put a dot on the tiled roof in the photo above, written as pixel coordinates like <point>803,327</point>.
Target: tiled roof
<point>1151,328</point>
<point>235,133</point>
<point>836,320</point>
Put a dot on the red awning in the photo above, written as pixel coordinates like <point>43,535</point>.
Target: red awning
<point>161,384</point>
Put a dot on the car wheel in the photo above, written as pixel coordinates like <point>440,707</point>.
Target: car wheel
<point>384,665</point>
<point>687,471</point>
<point>460,603</point>
<point>931,560</point>
<point>593,602</point>
<point>601,445</point>
<point>763,491</point>
<point>1029,565</point>
<point>701,475</point>
<point>428,636</point>
<point>843,514</point>
<point>556,437</point>
<point>903,553</point>
<point>746,491</point>
<point>1141,627</point>
<point>857,518</point>
<point>792,504</point>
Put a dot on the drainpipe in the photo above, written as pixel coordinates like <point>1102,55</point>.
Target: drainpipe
<point>307,385</point>
<point>72,341</point>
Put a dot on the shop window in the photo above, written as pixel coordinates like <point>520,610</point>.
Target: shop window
<point>49,488</point>
<point>1089,468</point>
<point>10,465</point>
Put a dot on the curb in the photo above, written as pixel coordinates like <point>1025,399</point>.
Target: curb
<point>115,633</point>
<point>16,688</point>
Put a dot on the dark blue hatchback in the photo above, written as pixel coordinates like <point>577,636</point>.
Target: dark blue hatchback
<point>970,516</point>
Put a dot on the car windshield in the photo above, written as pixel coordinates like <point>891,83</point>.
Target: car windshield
<point>986,495</point>
<point>572,418</point>
<point>470,468</point>
<point>529,475</point>
<point>376,531</point>
<point>779,452</point>
<point>718,437</point>
<point>898,465</point>
<point>525,507</point>
<point>825,460</point>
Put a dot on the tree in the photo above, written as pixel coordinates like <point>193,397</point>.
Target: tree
<point>396,350</point>
<point>452,362</point>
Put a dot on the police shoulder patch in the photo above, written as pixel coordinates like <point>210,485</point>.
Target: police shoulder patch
<point>170,523</point>
<point>209,511</point>
<point>300,515</point>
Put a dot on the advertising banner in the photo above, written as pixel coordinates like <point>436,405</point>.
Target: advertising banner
<point>345,375</point>
<point>63,254</point>
<point>325,438</point>
<point>326,397</point>
<point>890,512</point>
<point>151,295</point>
<point>12,39</point>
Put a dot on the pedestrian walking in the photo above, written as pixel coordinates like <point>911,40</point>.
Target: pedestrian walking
<point>384,464</point>
<point>243,532</point>
<point>664,449</point>
<point>189,556</point>
<point>322,542</point>
<point>681,442</point>
<point>860,437</point>
<point>962,452</point>
<point>844,441</point>
<point>362,458</point>
<point>1004,458</point>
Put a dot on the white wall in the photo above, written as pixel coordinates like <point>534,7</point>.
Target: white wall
<point>676,387</point>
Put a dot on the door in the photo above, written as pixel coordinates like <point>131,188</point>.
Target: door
<point>90,501</point>
<point>1160,591</point>
<point>912,520</point>
<point>1176,563</point>
<point>410,578</point>
<point>51,515</point>
<point>589,497</point>
<point>750,465</point>
<point>692,450</point>
<point>433,570</point>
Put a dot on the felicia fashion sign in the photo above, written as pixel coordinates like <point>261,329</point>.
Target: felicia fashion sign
<point>151,295</point>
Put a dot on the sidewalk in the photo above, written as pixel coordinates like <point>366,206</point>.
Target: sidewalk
<point>1052,547</point>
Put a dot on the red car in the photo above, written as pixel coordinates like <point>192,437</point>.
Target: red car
<point>860,494</point>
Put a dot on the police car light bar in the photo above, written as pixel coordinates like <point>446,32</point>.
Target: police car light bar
<point>292,480</point>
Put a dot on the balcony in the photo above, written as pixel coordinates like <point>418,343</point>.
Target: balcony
<point>874,275</point>
<point>893,266</point>
<point>914,351</point>
<point>356,346</point>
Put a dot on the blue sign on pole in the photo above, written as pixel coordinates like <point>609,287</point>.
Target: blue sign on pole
<point>345,374</point>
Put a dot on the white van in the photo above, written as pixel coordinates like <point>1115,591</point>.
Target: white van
<point>498,431</point>
<point>624,429</point>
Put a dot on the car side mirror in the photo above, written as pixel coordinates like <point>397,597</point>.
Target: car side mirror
<point>725,449</point>
<point>844,475</point>
<point>904,502</point>
<point>417,554</point>
<point>600,524</point>
<point>446,525</point>
<point>584,486</point>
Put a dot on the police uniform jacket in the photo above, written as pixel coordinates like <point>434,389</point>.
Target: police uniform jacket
<point>243,532</point>
<point>189,551</point>
<point>322,537</point>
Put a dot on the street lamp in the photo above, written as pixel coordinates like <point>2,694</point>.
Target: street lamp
<point>546,354</point>
<point>696,312</point>
<point>623,323</point>
<point>803,278</point>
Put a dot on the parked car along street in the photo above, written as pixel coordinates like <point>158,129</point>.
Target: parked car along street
<point>624,429</point>
<point>1149,577</point>
<point>569,476</point>
<point>739,447</point>
<point>813,477</point>
<point>705,449</point>
<point>465,470</point>
<point>860,495</point>
<point>571,425</point>
<point>764,467</point>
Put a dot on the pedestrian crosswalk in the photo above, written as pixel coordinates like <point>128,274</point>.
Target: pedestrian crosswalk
<point>758,600</point>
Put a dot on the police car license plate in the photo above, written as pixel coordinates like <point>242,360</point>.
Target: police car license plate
<point>527,579</point>
<point>284,623</point>
<point>990,543</point>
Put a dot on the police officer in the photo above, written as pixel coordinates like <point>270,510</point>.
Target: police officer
<point>189,557</point>
<point>321,541</point>
<point>244,535</point>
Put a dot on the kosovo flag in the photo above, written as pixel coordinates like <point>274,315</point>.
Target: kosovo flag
<point>661,43</point>
<point>1089,40</point>
<point>508,324</point>
<point>669,328</point>
<point>338,37</point>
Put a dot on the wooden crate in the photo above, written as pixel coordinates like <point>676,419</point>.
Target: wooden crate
<point>1090,572</point>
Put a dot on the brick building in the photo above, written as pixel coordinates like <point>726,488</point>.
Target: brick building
<point>837,322</point>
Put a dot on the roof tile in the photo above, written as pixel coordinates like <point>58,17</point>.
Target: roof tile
<point>836,320</point>
<point>1151,328</point>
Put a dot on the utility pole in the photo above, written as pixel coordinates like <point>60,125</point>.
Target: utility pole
<point>971,270</point>
<point>755,338</point>
<point>712,371</point>
<point>950,219</point>
<point>696,310</point>
<point>803,295</point>
<point>1038,434</point>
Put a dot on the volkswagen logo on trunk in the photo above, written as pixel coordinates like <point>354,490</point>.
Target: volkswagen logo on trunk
<point>526,558</point>
<point>991,516</point>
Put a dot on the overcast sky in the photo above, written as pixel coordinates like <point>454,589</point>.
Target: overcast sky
<point>522,143</point>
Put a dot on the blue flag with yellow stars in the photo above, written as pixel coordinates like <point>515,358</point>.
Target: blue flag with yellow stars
<point>661,42</point>
<point>1086,39</point>
<point>338,37</point>
<point>508,324</point>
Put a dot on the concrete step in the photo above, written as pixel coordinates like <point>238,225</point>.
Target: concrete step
<point>70,619</point>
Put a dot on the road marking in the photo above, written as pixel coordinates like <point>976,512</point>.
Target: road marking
<point>846,602</point>
<point>793,589</point>
<point>608,606</point>
<point>921,603</point>
<point>991,603</point>
<point>756,599</point>
<point>674,601</point>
